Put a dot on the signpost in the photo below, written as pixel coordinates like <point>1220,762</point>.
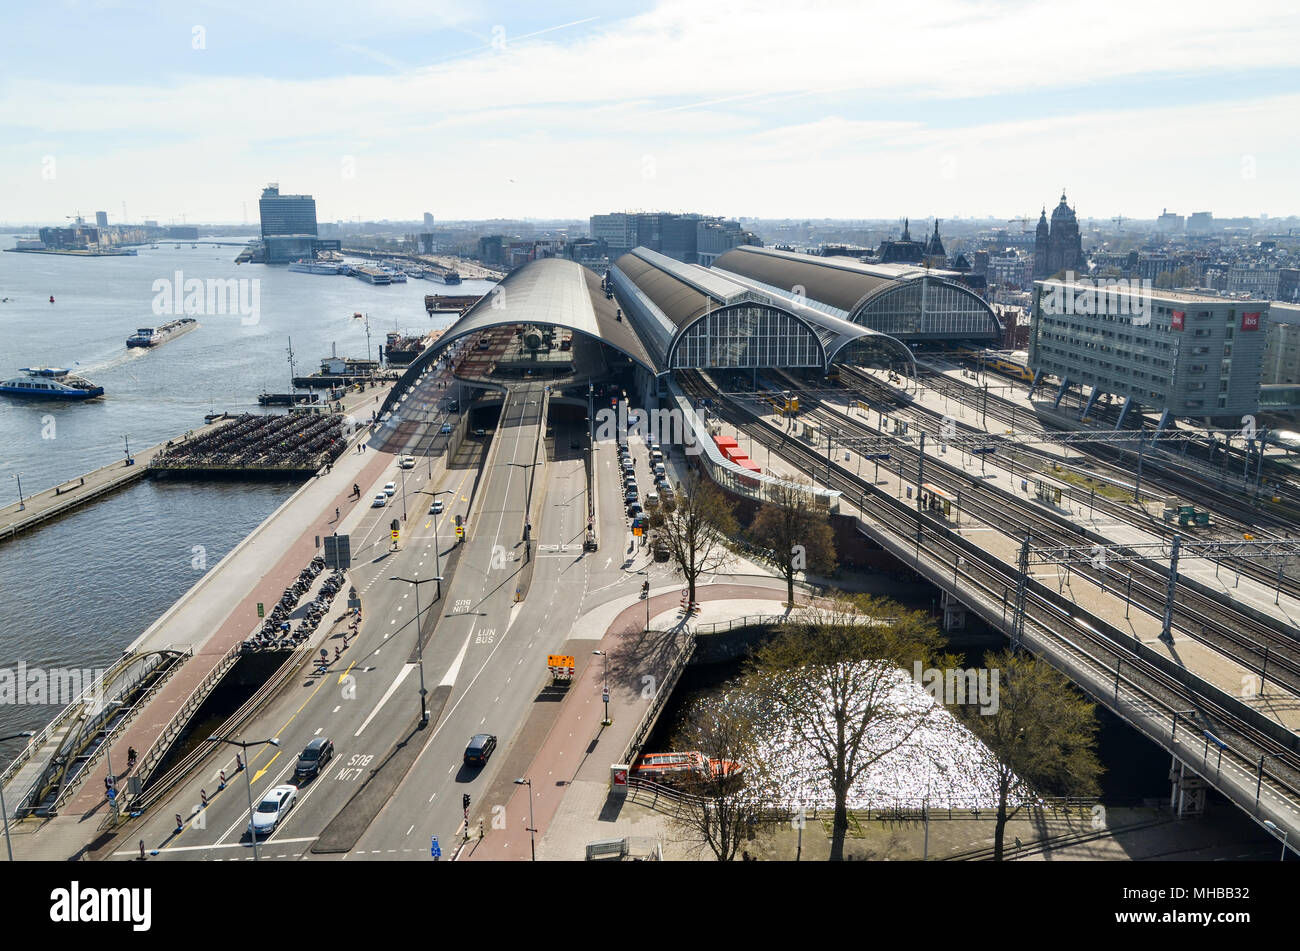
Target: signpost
<point>434,849</point>
<point>561,666</point>
<point>261,609</point>
<point>338,552</point>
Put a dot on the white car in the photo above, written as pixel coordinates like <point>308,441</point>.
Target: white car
<point>379,501</point>
<point>407,462</point>
<point>436,507</point>
<point>390,488</point>
<point>275,805</point>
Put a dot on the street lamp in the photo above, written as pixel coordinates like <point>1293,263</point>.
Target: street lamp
<point>646,572</point>
<point>437,570</point>
<point>604,690</point>
<point>403,469</point>
<point>532,832</point>
<point>1273,826</point>
<point>4,809</point>
<point>126,441</point>
<point>21,504</point>
<point>248,777</point>
<point>419,642</point>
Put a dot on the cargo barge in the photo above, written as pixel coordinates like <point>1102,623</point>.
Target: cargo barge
<point>153,336</point>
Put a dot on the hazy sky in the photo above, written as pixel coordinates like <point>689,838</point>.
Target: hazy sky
<point>388,108</point>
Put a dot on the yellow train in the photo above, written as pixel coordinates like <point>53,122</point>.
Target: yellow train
<point>1012,368</point>
<point>785,406</point>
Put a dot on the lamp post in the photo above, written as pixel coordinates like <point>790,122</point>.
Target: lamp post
<point>126,441</point>
<point>4,810</point>
<point>21,504</point>
<point>646,572</point>
<point>248,777</point>
<point>419,641</point>
<point>1273,826</point>
<point>604,690</point>
<point>403,468</point>
<point>532,832</point>
<point>437,569</point>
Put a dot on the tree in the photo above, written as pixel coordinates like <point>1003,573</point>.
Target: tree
<point>1183,277</point>
<point>831,677</point>
<point>720,807</point>
<point>796,526</point>
<point>696,531</point>
<point>1164,279</point>
<point>1042,732</point>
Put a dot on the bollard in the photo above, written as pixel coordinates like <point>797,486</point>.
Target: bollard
<point>222,784</point>
<point>180,824</point>
<point>142,850</point>
<point>239,764</point>
<point>203,794</point>
<point>337,652</point>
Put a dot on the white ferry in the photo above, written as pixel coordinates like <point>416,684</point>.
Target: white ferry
<point>50,383</point>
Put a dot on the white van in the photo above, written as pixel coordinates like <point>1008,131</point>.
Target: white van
<point>659,469</point>
<point>656,455</point>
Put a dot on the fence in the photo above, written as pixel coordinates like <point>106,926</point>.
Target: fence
<point>675,668</point>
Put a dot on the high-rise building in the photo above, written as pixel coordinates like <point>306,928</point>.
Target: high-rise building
<point>1058,246</point>
<point>428,220</point>
<point>287,214</point>
<point>1169,222</point>
<point>101,219</point>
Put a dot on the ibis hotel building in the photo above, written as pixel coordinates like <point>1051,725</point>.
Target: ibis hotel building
<point>1180,355</point>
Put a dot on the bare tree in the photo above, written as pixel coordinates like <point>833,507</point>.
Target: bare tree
<point>831,677</point>
<point>696,531</point>
<point>1042,732</point>
<point>724,802</point>
<point>796,526</point>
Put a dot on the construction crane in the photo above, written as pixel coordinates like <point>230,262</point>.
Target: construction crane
<point>1024,222</point>
<point>1119,222</point>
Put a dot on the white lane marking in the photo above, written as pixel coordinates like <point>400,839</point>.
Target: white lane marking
<point>449,679</point>
<point>401,675</point>
<point>224,845</point>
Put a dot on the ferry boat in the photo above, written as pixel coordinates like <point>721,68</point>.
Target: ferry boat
<point>50,383</point>
<point>415,272</point>
<point>152,336</point>
<point>451,277</point>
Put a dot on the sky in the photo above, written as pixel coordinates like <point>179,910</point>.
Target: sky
<point>389,108</point>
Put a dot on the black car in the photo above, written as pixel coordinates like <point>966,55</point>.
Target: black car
<point>316,754</point>
<point>480,748</point>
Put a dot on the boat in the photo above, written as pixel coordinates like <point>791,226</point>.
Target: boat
<point>50,383</point>
<point>693,765</point>
<point>415,272</point>
<point>450,277</point>
<point>316,267</point>
<point>401,351</point>
<point>152,336</point>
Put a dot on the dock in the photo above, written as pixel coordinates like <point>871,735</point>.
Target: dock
<point>50,503</point>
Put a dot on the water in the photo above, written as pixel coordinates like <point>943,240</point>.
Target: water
<point>78,591</point>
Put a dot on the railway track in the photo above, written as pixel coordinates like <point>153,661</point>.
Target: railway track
<point>876,391</point>
<point>1074,641</point>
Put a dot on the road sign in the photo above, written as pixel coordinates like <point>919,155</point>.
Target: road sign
<point>604,697</point>
<point>434,849</point>
<point>261,609</point>
<point>338,552</point>
<point>460,531</point>
<point>559,660</point>
<point>395,533</point>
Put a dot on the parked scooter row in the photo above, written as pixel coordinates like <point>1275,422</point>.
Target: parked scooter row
<point>275,633</point>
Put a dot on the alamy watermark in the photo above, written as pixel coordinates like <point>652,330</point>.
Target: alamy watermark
<point>1084,296</point>
<point>195,297</point>
<point>55,686</point>
<point>974,686</point>
<point>667,427</point>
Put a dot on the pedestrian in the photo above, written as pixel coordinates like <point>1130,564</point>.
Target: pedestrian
<point>336,513</point>
<point>130,757</point>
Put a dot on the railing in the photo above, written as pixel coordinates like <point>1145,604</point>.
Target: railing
<point>675,668</point>
<point>155,752</point>
<point>77,706</point>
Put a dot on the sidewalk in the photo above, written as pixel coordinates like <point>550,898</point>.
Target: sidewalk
<point>570,771</point>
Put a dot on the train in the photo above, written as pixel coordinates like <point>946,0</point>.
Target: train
<point>998,362</point>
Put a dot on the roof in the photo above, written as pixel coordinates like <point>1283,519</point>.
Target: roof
<point>681,291</point>
<point>552,292</point>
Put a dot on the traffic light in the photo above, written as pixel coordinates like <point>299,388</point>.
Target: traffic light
<point>394,526</point>
<point>465,801</point>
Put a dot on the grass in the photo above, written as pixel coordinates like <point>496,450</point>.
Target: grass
<point>1104,489</point>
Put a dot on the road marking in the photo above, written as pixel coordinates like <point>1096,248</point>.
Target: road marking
<point>337,709</point>
<point>318,731</point>
<point>402,675</point>
<point>198,848</point>
<point>344,675</point>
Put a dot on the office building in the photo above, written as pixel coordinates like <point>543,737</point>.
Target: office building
<point>287,214</point>
<point>428,221</point>
<point>101,219</point>
<point>1281,364</point>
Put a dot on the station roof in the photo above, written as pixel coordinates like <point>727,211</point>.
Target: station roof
<point>681,291</point>
<point>553,292</point>
<point>838,281</point>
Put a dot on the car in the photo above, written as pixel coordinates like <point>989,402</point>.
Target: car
<point>436,507</point>
<point>314,755</point>
<point>275,805</point>
<point>652,498</point>
<point>628,466</point>
<point>406,462</point>
<point>480,747</point>
<point>480,432</point>
<point>634,510</point>
<point>446,428</point>
<point>453,406</point>
<point>379,501</point>
<point>630,486</point>
<point>659,469</point>
<point>390,488</point>
<point>629,496</point>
